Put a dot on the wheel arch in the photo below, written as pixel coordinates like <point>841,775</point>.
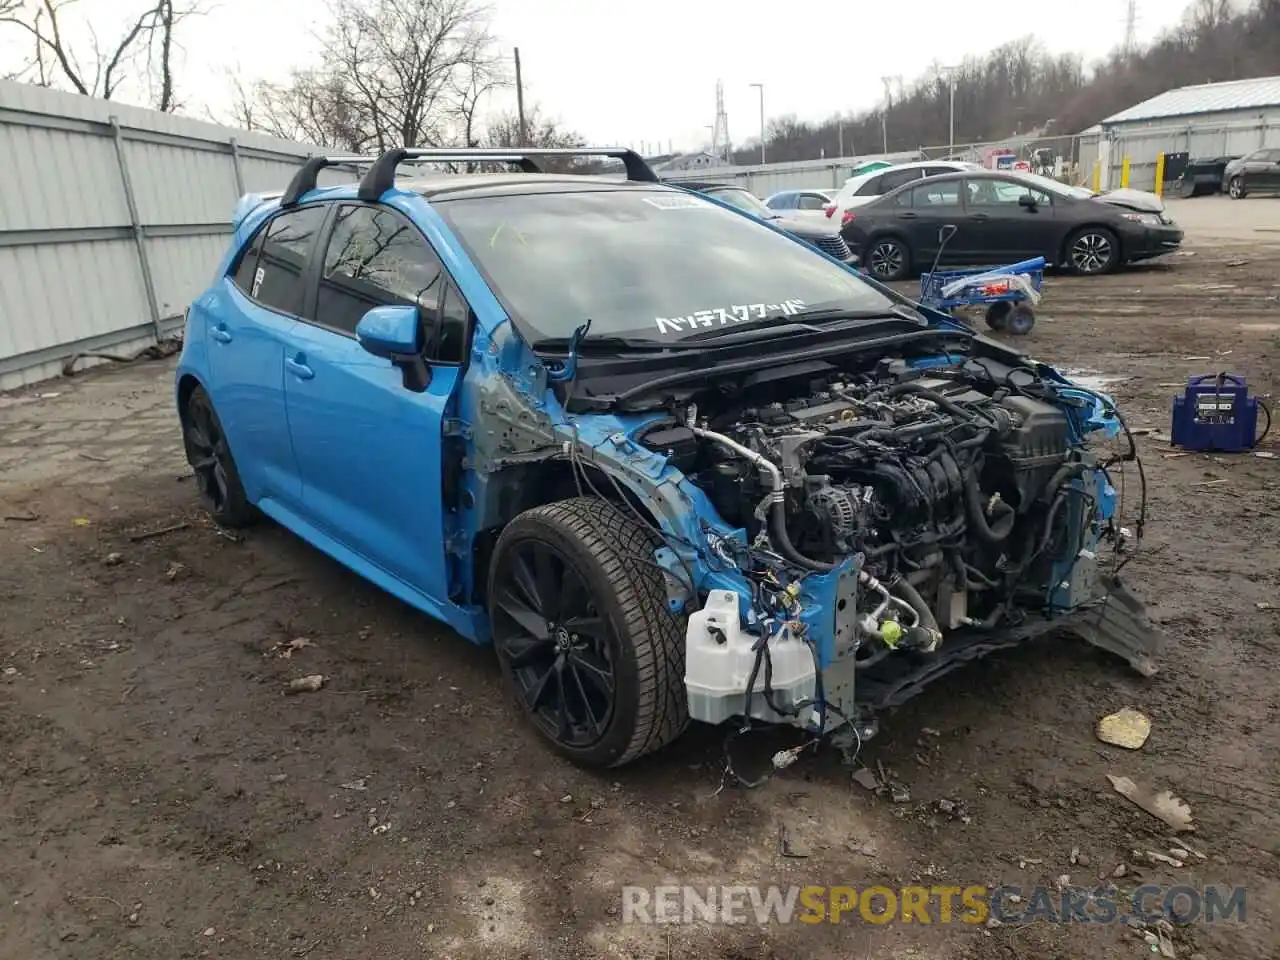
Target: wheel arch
<point>187,384</point>
<point>530,485</point>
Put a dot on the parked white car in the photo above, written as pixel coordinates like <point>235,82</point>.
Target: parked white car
<point>865,187</point>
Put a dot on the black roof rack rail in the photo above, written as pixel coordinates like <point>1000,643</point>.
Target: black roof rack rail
<point>382,175</point>
<point>304,181</point>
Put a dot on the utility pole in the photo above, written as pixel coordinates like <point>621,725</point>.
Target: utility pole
<point>760,87</point>
<point>524,134</point>
<point>950,74</point>
<point>884,114</point>
<point>839,137</point>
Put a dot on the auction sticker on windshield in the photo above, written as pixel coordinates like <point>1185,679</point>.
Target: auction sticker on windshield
<point>723,316</point>
<point>676,201</point>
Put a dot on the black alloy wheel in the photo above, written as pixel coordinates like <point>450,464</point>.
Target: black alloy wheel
<point>555,643</point>
<point>210,458</point>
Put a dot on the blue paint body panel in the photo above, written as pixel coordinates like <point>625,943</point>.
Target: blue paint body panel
<point>331,444</point>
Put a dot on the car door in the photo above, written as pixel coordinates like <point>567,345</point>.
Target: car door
<point>1003,228</point>
<point>923,210</point>
<point>1257,171</point>
<point>1269,175</point>
<point>369,450</point>
<point>258,307</point>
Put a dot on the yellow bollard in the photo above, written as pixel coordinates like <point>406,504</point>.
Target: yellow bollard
<point>1160,175</point>
<point>1097,176</point>
<point>1124,172</point>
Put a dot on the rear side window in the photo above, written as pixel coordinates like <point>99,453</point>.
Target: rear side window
<point>272,269</point>
<point>896,178</point>
<point>375,258</point>
<point>945,194</point>
<point>871,188</point>
<point>812,201</point>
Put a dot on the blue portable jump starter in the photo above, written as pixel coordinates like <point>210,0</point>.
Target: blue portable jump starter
<point>1216,412</point>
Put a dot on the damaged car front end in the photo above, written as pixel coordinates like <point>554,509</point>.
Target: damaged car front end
<point>849,494</point>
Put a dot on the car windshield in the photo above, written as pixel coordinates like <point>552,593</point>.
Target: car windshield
<point>650,264</point>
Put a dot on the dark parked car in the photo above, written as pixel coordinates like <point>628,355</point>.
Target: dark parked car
<point>825,236</point>
<point>1259,172</point>
<point>1006,217</point>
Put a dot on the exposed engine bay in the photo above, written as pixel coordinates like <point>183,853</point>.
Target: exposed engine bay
<point>954,498</point>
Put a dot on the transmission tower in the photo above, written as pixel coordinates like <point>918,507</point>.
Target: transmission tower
<point>720,133</point>
<point>1131,26</point>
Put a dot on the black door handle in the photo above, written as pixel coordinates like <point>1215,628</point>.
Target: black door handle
<point>908,216</point>
<point>980,217</point>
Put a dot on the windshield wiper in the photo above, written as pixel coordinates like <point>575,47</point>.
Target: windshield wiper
<point>803,322</point>
<point>589,344</point>
<point>769,327</point>
<point>899,310</point>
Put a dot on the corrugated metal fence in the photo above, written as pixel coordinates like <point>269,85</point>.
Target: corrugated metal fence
<point>1213,135</point>
<point>111,220</point>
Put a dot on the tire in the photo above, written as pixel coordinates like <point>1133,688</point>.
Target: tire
<point>599,632</point>
<point>1020,320</point>
<point>888,259</point>
<point>1236,189</point>
<point>211,461</point>
<point>998,313</point>
<point>1092,251</point>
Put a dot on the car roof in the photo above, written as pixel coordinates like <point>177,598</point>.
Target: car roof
<point>470,186</point>
<point>705,185</point>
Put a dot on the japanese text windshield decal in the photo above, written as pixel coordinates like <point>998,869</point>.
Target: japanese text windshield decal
<point>724,316</point>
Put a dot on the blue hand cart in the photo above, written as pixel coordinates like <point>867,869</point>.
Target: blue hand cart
<point>1009,308</point>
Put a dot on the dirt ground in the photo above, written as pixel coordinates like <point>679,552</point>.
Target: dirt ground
<point>161,798</point>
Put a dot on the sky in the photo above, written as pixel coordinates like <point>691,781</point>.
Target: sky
<point>649,78</point>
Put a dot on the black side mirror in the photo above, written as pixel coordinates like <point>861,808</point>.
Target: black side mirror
<point>1027,201</point>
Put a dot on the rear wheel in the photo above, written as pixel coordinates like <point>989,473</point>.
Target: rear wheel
<point>583,632</point>
<point>1235,189</point>
<point>1093,250</point>
<point>888,259</point>
<point>998,313</point>
<point>1020,320</point>
<point>215,469</point>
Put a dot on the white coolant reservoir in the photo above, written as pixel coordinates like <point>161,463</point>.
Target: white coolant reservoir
<point>719,656</point>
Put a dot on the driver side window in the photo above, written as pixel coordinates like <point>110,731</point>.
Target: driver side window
<point>376,258</point>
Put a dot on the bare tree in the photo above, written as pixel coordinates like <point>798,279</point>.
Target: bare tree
<point>142,52</point>
<point>393,73</point>
<point>503,130</point>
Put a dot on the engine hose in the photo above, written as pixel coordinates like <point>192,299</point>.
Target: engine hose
<point>946,403</point>
<point>1004,514</point>
<point>1068,471</point>
<point>777,506</point>
<point>925,635</point>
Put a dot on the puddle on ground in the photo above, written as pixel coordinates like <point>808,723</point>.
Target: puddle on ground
<point>1093,379</point>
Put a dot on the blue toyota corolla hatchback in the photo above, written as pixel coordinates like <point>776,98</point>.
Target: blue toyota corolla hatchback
<point>672,462</point>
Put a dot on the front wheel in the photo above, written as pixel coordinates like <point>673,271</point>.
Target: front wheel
<point>888,259</point>
<point>583,633</point>
<point>1093,250</point>
<point>1235,189</point>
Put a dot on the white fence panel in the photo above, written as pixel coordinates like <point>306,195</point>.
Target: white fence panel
<point>112,219</point>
